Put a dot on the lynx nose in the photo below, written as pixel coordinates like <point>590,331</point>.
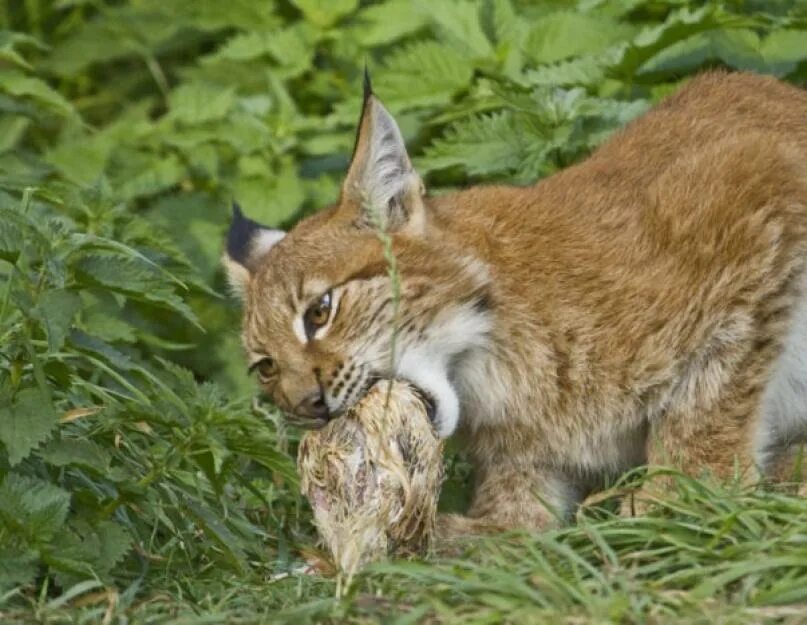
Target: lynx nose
<point>313,407</point>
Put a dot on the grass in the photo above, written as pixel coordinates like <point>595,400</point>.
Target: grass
<point>706,555</point>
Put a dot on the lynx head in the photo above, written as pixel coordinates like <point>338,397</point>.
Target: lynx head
<point>324,315</point>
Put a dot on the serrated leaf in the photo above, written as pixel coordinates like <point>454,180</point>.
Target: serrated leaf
<point>149,176</point>
<point>12,129</point>
<point>421,74</point>
<point>25,423</point>
<point>261,451</point>
<point>9,44</point>
<point>679,25</point>
<point>559,36</point>
<point>69,451</point>
<point>325,13</point>
<point>738,48</point>
<point>197,102</point>
<point>387,22</point>
<point>33,507</point>
<point>457,23</point>
<point>271,199</point>
<point>783,50</point>
<point>17,566</point>
<point>114,542</point>
<point>510,32</point>
<point>215,529</point>
<point>16,234</point>
<point>582,71</point>
<point>56,309</point>
<point>17,84</point>
<point>129,275</point>
<point>482,145</point>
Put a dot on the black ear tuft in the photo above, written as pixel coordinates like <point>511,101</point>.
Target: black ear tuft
<point>241,235</point>
<point>368,87</point>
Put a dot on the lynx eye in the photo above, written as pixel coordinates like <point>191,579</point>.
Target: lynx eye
<point>266,368</point>
<point>317,315</point>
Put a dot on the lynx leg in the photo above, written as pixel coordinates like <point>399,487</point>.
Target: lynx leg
<point>712,433</point>
<point>512,498</point>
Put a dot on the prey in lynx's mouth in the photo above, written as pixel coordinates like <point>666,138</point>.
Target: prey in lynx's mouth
<point>317,423</point>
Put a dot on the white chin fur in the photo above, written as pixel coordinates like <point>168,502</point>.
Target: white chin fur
<point>431,378</point>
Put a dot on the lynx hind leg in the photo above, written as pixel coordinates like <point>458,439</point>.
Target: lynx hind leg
<point>712,425</point>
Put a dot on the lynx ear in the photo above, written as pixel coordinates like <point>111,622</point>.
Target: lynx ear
<point>247,243</point>
<point>381,180</point>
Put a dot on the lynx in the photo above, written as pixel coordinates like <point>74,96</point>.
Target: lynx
<point>645,306</point>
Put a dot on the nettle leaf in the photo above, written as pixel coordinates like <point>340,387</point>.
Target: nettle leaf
<point>457,23</point>
<point>197,102</point>
<point>558,36</point>
<point>422,74</point>
<point>481,145</point>
<point>783,50</point>
<point>25,423</point>
<point>149,176</point>
<point>271,198</point>
<point>17,84</point>
<point>87,550</point>
<point>56,310</point>
<point>12,129</point>
<point>384,23</point>
<point>259,448</point>
<point>325,13</point>
<point>131,276</point>
<point>582,71</point>
<point>739,48</point>
<point>33,507</point>
<point>510,32</point>
<point>76,452</point>
<point>17,566</point>
<point>679,25</point>
<point>10,42</point>
<point>17,233</point>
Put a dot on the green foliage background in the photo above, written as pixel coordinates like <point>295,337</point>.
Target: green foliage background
<point>131,456</point>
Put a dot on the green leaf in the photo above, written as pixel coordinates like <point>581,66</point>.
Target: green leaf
<point>558,36</point>
<point>215,529</point>
<point>679,25</point>
<point>15,83</point>
<point>76,452</point>
<point>9,44</point>
<point>56,309</point>
<point>457,23</point>
<point>130,276</point>
<point>739,48</point>
<point>325,13</point>
<point>114,543</point>
<point>25,423</point>
<point>195,103</point>
<point>33,507</point>
<point>482,145</point>
<point>783,50</point>
<point>17,234</point>
<point>582,71</point>
<point>12,129</point>
<point>270,199</point>
<point>423,74</point>
<point>17,566</point>
<point>384,23</point>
